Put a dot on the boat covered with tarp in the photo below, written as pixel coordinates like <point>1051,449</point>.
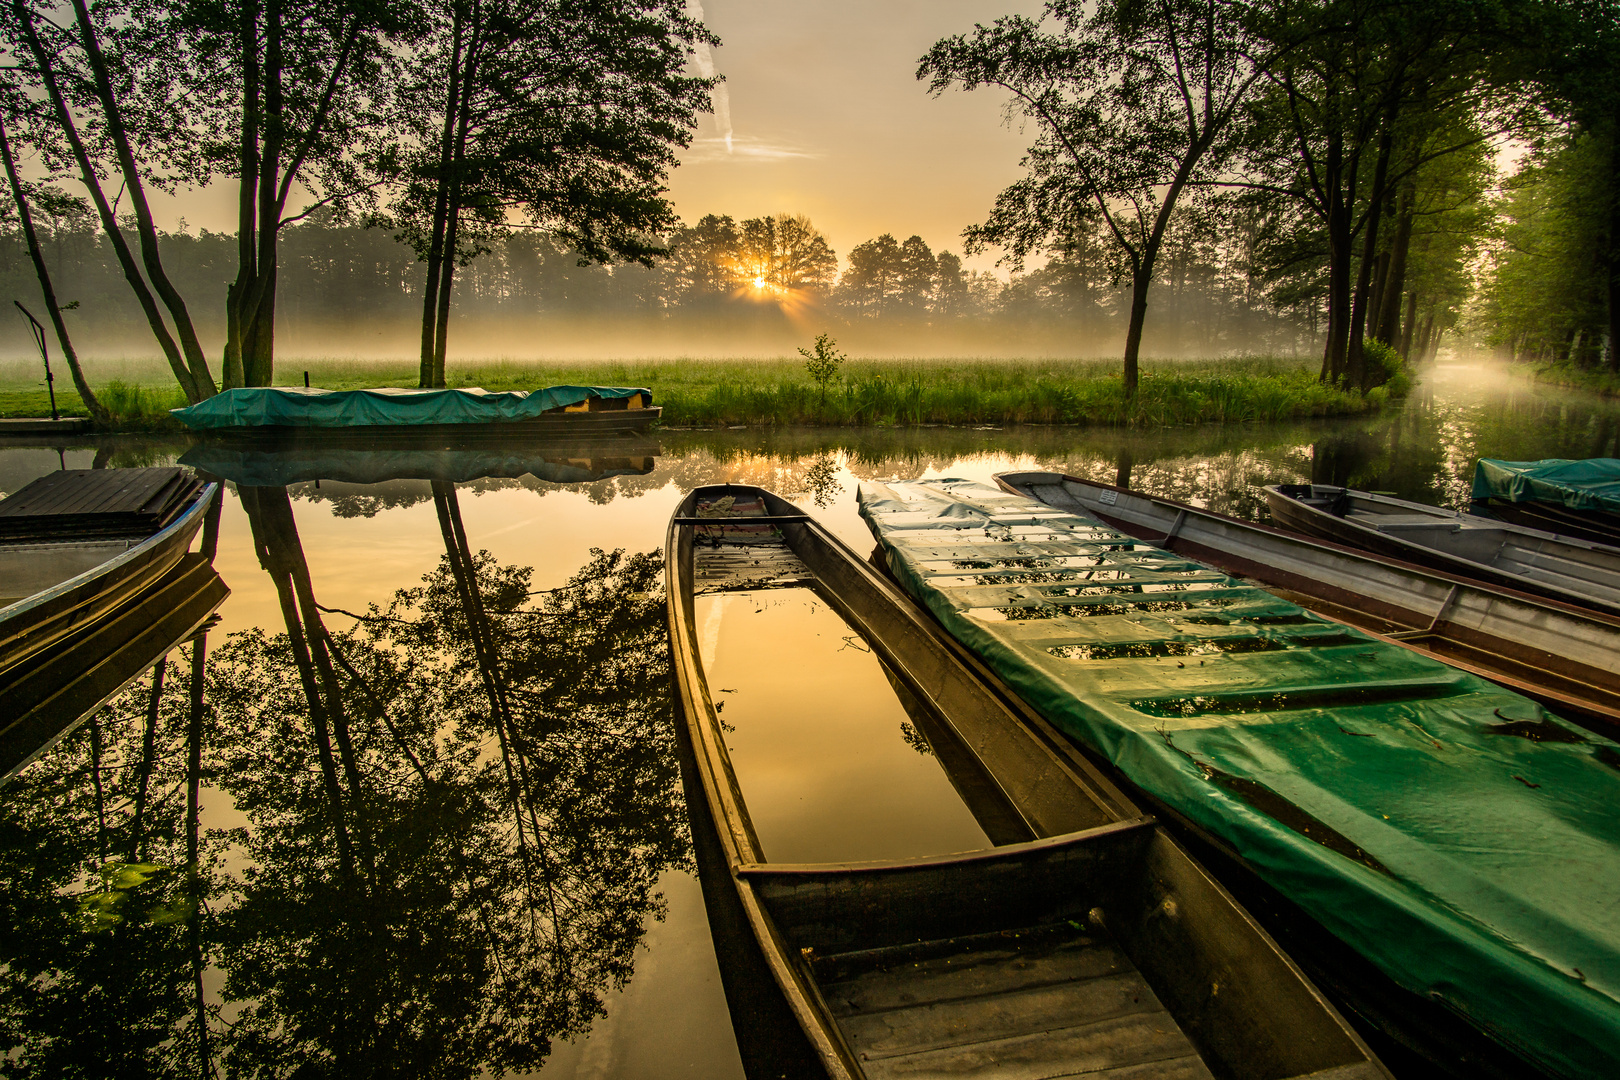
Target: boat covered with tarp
<point>1573,497</point>
<point>1455,834</point>
<point>294,412</point>
<point>561,463</point>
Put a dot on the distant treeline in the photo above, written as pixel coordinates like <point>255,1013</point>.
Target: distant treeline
<point>1215,293</point>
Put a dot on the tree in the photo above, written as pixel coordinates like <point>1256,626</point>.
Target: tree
<point>784,254</point>
<point>277,96</point>
<point>871,284</point>
<point>553,115</point>
<point>1132,102</point>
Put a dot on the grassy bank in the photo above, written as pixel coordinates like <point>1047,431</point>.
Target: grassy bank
<point>711,393</point>
<point>1561,373</point>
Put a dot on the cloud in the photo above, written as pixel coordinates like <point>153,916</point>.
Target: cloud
<point>741,148</point>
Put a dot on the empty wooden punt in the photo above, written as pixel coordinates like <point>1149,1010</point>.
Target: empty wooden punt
<point>1566,568</point>
<point>1563,656</point>
<point>1088,943</point>
<point>61,577</point>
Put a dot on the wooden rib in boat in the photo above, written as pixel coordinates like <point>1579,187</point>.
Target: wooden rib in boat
<point>57,584</point>
<point>1565,568</point>
<point>1088,943</point>
<point>1563,656</point>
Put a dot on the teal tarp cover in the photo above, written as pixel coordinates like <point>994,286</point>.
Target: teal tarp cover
<point>296,406</point>
<point>1592,484</point>
<point>1451,831</point>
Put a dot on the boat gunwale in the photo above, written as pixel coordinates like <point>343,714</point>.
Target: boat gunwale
<point>737,835</point>
<point>1568,690</point>
<point>141,563</point>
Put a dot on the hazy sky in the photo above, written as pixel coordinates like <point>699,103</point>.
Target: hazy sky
<point>827,119</point>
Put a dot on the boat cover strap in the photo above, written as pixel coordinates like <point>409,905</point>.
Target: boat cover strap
<point>1451,831</point>
<point>1590,484</point>
<point>296,406</point>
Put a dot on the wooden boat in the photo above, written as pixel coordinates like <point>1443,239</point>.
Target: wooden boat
<point>1087,942</point>
<point>1451,833</point>
<point>1575,571</point>
<point>51,692</point>
<point>76,544</point>
<point>423,419</point>
<point>1579,498</point>
<point>1563,656</point>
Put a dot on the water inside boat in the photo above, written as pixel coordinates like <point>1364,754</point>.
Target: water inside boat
<point>832,767</point>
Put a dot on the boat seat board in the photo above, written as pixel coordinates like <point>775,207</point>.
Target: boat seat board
<point>85,502</point>
<point>1045,1001</point>
<point>1408,806</point>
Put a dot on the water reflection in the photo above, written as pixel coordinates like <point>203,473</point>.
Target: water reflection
<point>426,807</point>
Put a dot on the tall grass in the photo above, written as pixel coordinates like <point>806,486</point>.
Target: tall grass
<point>697,392</point>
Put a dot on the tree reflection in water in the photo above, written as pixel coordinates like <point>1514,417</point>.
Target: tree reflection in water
<point>453,817</point>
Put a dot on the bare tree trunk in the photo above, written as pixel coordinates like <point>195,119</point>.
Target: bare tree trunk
<point>196,362</point>
<point>109,222</point>
<point>1388,325</point>
<point>98,412</point>
<point>199,653</point>
<point>1409,325</point>
<point>435,257</point>
<point>148,749</point>
<point>1356,371</point>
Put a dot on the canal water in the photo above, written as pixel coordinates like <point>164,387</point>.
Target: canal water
<point>440,826</point>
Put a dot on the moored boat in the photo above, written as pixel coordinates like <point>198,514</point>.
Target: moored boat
<point>1086,941</point>
<point>441,417</point>
<point>1579,498</point>
<point>1563,656</point>
<point>1565,568</point>
<point>1449,832</point>
<point>76,544</point>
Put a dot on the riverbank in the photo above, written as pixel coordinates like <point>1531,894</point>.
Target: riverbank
<point>779,393</point>
<point>1562,373</point>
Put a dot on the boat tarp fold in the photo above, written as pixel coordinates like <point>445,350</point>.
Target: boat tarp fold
<point>1453,832</point>
<point>1589,484</point>
<point>296,406</point>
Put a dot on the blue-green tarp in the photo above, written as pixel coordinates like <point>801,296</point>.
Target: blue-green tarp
<point>1589,484</point>
<point>1449,830</point>
<point>294,406</point>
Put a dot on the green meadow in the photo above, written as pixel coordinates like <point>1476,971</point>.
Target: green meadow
<point>697,392</point>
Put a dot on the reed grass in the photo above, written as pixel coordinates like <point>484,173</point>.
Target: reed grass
<point>696,392</point>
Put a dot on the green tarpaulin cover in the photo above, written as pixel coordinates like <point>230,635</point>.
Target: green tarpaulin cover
<point>1449,830</point>
<point>1592,484</point>
<point>292,406</point>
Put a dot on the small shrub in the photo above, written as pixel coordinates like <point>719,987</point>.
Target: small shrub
<point>1385,367</point>
<point>823,363</point>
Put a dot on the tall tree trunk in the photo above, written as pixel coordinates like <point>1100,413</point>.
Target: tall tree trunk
<point>1388,326</point>
<point>199,653</point>
<point>441,195</point>
<point>1612,293</point>
<point>117,133</point>
<point>148,749</point>
<point>98,412</point>
<point>1409,325</point>
<point>109,221</point>
<point>1356,372</point>
<point>237,315</point>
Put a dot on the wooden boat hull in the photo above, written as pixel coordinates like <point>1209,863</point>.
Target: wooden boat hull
<point>1511,556</point>
<point>1377,790</point>
<point>117,572</point>
<point>1563,656</point>
<point>572,426</point>
<point>863,957</point>
<point>52,692</point>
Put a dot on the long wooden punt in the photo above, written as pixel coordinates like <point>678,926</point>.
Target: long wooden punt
<point>573,426</point>
<point>1563,656</point>
<point>52,692</point>
<point>58,585</point>
<point>1089,943</point>
<point>1456,836</point>
<point>1565,568</point>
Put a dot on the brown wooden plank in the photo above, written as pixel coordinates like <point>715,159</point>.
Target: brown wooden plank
<point>1130,1047</point>
<point>1008,1014</point>
<point>905,981</point>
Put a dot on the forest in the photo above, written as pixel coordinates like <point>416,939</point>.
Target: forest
<point>1358,177</point>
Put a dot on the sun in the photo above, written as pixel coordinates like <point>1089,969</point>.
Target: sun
<point>759,284</point>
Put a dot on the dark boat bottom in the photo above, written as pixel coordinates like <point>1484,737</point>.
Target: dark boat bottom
<point>1045,1001</point>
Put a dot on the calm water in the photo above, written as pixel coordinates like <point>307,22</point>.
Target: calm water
<point>443,835</point>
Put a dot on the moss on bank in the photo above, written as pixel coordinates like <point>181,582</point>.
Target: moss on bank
<point>778,393</point>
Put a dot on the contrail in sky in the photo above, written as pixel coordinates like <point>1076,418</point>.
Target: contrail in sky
<point>705,63</point>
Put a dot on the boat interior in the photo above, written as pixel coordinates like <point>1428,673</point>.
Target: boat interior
<point>1056,932</point>
<point>1565,563</point>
